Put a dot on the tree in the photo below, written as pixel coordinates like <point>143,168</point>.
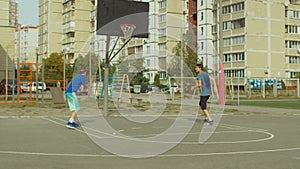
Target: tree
<point>133,65</point>
<point>54,68</point>
<point>188,48</point>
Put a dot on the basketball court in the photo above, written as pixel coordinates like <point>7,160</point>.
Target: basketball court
<point>241,140</point>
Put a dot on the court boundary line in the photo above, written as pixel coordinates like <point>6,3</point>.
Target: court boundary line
<point>271,136</point>
<point>162,155</point>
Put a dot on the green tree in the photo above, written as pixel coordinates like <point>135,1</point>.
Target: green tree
<point>156,80</point>
<point>133,65</point>
<point>54,68</point>
<point>187,50</point>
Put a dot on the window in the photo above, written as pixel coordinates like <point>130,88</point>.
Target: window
<point>162,46</point>
<point>148,49</point>
<point>292,29</point>
<point>234,73</point>
<point>292,44</point>
<point>294,59</point>
<point>162,18</point>
<point>202,30</point>
<point>162,4</point>
<point>235,24</point>
<point>237,40</point>
<point>227,25</point>
<point>202,46</point>
<point>162,32</point>
<point>202,16</point>
<point>148,62</point>
<point>201,2</point>
<point>234,57</point>
<point>233,8</point>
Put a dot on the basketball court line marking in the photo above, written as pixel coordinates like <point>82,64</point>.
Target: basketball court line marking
<point>161,156</point>
<point>270,136</point>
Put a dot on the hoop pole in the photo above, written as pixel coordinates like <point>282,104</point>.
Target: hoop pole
<point>106,72</point>
<point>119,50</point>
<point>114,46</point>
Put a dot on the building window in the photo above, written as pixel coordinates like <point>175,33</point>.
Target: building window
<point>292,29</point>
<point>293,59</point>
<point>162,32</point>
<point>148,62</point>
<point>202,30</point>
<point>202,46</point>
<point>234,57</point>
<point>148,49</point>
<point>227,25</point>
<point>294,74</point>
<point>162,4</point>
<point>162,46</point>
<point>162,18</point>
<point>234,73</point>
<point>233,8</point>
<point>202,16</point>
<point>292,44</point>
<point>201,2</point>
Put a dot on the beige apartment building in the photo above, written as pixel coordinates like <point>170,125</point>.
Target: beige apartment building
<point>50,27</point>
<point>8,23</point>
<point>65,26</point>
<point>167,23</point>
<point>261,39</point>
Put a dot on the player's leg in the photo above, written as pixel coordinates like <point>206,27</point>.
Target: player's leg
<point>73,105</point>
<point>203,105</point>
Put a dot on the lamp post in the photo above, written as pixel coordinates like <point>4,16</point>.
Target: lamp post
<point>221,65</point>
<point>36,76</point>
<point>6,74</point>
<point>66,51</point>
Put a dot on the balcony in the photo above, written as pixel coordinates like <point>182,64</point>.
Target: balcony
<point>69,40</point>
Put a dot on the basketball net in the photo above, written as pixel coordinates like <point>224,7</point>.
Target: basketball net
<point>127,30</point>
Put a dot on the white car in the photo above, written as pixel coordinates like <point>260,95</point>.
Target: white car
<point>25,87</point>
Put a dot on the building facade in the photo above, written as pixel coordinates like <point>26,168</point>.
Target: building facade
<point>50,27</point>
<point>260,39</point>
<point>8,22</point>
<point>168,21</point>
<point>65,26</point>
<point>26,43</point>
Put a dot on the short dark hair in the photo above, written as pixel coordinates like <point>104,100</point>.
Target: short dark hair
<point>82,70</point>
<point>200,65</point>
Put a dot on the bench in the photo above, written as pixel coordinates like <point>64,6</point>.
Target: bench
<point>57,95</point>
<point>139,100</point>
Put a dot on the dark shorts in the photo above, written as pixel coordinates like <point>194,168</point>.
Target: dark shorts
<point>203,102</point>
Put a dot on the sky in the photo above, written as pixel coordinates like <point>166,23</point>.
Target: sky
<point>28,12</point>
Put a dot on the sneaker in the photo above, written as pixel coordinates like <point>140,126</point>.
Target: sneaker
<point>71,125</point>
<point>208,122</point>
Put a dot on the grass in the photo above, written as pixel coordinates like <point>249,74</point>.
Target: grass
<point>280,103</point>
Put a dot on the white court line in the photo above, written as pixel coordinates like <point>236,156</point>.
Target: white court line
<point>163,155</point>
<point>270,136</point>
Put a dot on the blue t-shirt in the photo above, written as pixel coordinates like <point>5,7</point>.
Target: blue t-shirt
<point>76,82</point>
<point>203,76</point>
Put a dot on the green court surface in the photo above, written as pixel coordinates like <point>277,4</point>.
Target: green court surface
<point>241,140</point>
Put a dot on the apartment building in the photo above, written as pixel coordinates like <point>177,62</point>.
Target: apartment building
<point>260,38</point>
<point>65,26</point>
<point>50,27</point>
<point>76,26</point>
<point>167,22</point>
<point>8,22</point>
<point>26,43</point>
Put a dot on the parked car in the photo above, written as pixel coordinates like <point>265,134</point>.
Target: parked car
<point>12,85</point>
<point>26,87</point>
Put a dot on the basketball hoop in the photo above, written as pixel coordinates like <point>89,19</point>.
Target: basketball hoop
<point>127,30</point>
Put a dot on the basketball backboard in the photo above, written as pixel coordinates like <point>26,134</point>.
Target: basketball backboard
<point>113,13</point>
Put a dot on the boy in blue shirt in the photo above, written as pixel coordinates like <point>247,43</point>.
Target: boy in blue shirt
<point>77,83</point>
<point>204,83</point>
